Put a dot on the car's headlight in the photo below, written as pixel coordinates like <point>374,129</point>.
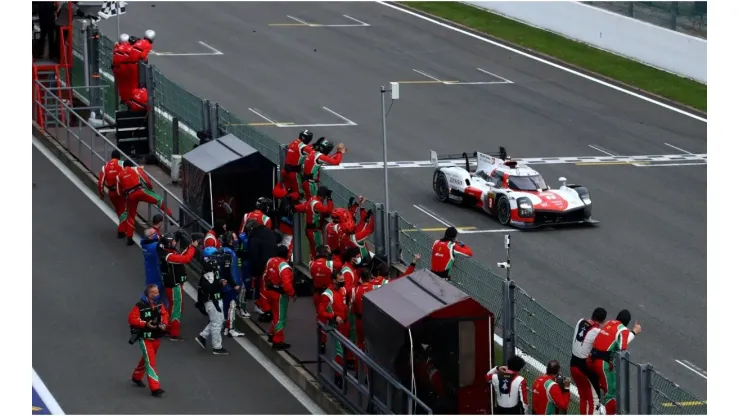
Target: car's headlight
<point>586,199</point>
<point>525,207</point>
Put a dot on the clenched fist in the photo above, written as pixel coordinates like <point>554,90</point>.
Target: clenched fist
<point>341,148</point>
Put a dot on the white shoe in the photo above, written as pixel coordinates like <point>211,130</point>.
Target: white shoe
<point>257,310</point>
<point>243,313</point>
<point>235,333</point>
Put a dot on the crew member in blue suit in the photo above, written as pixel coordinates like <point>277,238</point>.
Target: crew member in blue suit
<point>246,291</point>
<point>230,267</point>
<point>151,261</point>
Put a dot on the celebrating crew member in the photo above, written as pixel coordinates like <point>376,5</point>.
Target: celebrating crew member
<point>411,268</point>
<point>172,267</point>
<point>294,158</point>
<point>140,49</point>
<point>333,230</point>
<point>613,337</point>
<point>444,252</point>
<point>279,283</point>
<point>107,180</point>
<point>550,392</point>
<point>230,267</point>
<point>210,302</point>
<point>314,208</point>
<point>135,186</point>
<point>123,68</point>
<point>352,259</point>
<point>321,269</point>
<point>333,310</point>
<point>367,285</point>
<point>355,234</point>
<point>212,236</point>
<point>509,387</point>
<point>318,157</point>
<point>148,321</point>
<point>263,207</point>
<point>587,383</point>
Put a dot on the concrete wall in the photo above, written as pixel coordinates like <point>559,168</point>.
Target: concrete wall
<point>662,48</point>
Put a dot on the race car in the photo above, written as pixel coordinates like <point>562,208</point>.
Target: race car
<point>513,193</point>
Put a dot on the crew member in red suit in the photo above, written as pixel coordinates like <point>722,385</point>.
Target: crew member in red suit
<point>333,310</point>
<point>279,280</point>
<point>140,52</point>
<point>139,100</point>
<point>366,286</point>
<point>135,186</point>
<point>412,266</point>
<point>315,207</point>
<point>212,238</point>
<point>148,319</point>
<point>262,207</point>
<point>548,396</point>
<point>586,381</point>
<point>123,68</point>
<point>351,259</point>
<point>107,180</point>
<point>296,153</point>
<point>172,268</point>
<point>316,158</point>
<point>356,233</point>
<point>444,252</point>
<point>321,269</point>
<point>333,230</point>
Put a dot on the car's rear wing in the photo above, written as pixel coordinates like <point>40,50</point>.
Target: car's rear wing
<point>435,158</point>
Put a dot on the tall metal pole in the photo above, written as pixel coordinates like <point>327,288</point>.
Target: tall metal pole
<point>118,18</point>
<point>385,174</point>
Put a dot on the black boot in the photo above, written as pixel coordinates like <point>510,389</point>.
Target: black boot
<point>138,383</point>
<point>158,393</point>
<point>280,346</point>
<point>121,235</point>
<point>322,349</point>
<point>130,242</point>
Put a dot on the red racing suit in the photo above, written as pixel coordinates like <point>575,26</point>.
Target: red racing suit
<point>443,256</point>
<point>172,267</point>
<point>612,337</point>
<point>351,281</point>
<point>278,278</point>
<point>135,186</point>
<point>321,270</point>
<point>311,169</point>
<point>333,304</point>
<point>125,70</point>
<point>107,180</point>
<point>357,237</point>
<point>314,208</point>
<point>586,381</point>
<point>258,216</point>
<point>333,233</point>
<point>143,312</point>
<point>291,173</point>
<point>211,240</point>
<point>139,100</point>
<point>139,52</point>
<point>357,311</point>
<point>547,396</point>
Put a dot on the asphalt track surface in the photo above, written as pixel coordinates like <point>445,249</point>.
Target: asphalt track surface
<point>649,252</point>
<point>84,284</point>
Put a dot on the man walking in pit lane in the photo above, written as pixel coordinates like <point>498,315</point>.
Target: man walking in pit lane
<point>148,321</point>
<point>172,267</point>
<point>107,180</point>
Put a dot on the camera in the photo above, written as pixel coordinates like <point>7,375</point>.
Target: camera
<point>134,337</point>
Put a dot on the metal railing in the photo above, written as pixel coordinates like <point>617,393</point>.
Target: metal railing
<point>689,17</point>
<point>537,333</point>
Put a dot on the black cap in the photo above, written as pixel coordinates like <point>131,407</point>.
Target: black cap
<point>128,164</point>
<point>115,154</point>
<point>553,368</point>
<point>322,192</point>
<point>282,252</point>
<point>451,233</point>
<point>624,316</point>
<point>599,314</point>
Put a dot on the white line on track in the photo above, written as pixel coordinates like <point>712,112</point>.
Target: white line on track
<point>45,395</point>
<point>356,20</point>
<point>298,20</point>
<point>348,121</point>
<point>215,51</point>
<point>259,114</point>
<point>544,61</point>
<point>500,230</point>
<point>426,75</point>
<point>693,368</point>
<point>599,149</point>
<point>506,81</point>
<point>250,348</point>
<point>677,148</point>
<point>664,165</point>
<point>433,216</point>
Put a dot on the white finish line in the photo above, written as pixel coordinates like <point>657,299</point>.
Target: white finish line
<point>675,160</point>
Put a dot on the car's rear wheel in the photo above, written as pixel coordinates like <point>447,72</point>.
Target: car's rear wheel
<point>503,210</point>
<point>441,188</point>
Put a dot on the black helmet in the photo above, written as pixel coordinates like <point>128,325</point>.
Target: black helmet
<point>167,241</point>
<point>264,204</point>
<point>324,147</point>
<point>306,136</point>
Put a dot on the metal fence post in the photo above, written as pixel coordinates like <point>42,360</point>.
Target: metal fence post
<point>297,239</point>
<point>379,234</point>
<point>93,67</point>
<point>631,9</point>
<point>644,390</point>
<point>206,115</point>
<point>674,14</point>
<point>175,136</point>
<point>213,121</point>
<point>151,112</point>
<point>394,240</point>
<point>508,331</point>
<point>622,370</point>
<point>281,160</point>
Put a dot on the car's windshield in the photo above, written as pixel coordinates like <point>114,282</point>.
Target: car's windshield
<point>527,183</point>
<point>484,176</point>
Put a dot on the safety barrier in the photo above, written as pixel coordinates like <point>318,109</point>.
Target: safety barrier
<point>537,333</point>
<point>684,16</point>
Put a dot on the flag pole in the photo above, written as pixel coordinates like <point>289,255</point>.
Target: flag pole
<point>118,18</point>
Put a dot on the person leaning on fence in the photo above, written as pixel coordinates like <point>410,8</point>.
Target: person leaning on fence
<point>445,251</point>
<point>509,387</point>
<point>333,310</point>
<point>613,337</point>
<point>586,381</point>
<point>315,208</point>
<point>551,392</point>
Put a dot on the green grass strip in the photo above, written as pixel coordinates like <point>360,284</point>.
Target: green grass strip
<point>661,83</point>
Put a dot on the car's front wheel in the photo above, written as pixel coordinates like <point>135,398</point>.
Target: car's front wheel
<point>503,209</point>
<point>441,188</point>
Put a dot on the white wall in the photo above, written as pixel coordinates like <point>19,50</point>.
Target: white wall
<point>662,48</point>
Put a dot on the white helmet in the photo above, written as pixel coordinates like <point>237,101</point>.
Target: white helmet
<point>150,34</point>
<point>124,38</point>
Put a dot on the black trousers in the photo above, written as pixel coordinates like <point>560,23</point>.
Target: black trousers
<point>48,31</point>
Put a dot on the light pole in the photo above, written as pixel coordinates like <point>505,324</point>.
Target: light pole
<point>386,220</point>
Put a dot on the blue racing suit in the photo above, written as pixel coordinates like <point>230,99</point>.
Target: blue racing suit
<point>151,266</point>
<point>230,296</point>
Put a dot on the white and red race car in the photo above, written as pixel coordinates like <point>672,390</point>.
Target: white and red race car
<point>512,193</point>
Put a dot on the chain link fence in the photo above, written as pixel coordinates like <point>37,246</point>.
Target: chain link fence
<point>688,17</point>
<point>540,335</point>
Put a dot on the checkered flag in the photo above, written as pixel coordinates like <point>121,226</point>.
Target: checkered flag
<point>112,8</point>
